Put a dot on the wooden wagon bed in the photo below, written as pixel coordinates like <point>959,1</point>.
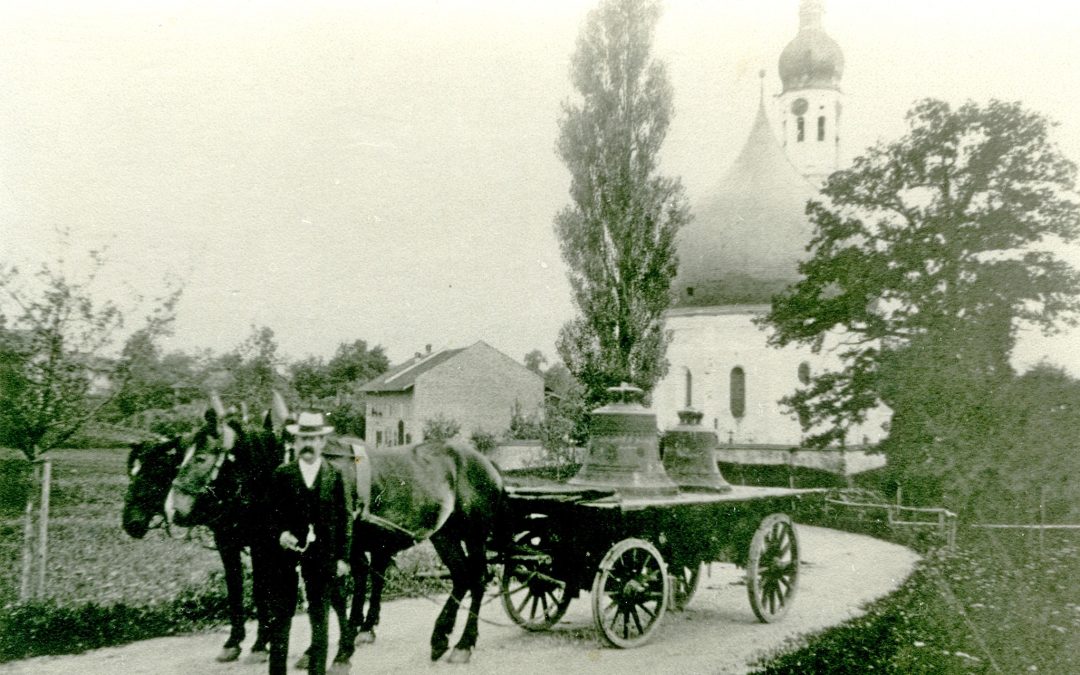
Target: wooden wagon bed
<point>640,556</point>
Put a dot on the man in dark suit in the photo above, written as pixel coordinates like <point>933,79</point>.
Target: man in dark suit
<point>310,521</point>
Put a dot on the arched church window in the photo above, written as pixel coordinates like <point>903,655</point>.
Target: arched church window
<point>804,372</point>
<point>689,381</point>
<point>800,129</point>
<point>738,392</point>
<point>821,128</point>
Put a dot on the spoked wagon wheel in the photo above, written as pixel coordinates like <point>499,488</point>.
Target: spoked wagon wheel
<point>630,593</point>
<point>531,596</point>
<point>772,571</point>
<point>684,583</point>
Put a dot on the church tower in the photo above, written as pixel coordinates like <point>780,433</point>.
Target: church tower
<point>811,66</point>
<point>744,245</point>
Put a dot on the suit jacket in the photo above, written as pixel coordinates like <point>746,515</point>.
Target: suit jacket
<point>288,497</point>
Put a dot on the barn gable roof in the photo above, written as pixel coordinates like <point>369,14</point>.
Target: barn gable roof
<point>402,377</point>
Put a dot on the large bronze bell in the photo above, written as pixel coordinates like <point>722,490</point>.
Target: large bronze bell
<point>624,450</point>
<point>689,457</point>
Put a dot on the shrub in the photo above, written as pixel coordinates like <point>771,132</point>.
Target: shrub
<point>483,441</point>
<point>42,628</point>
<point>524,427</point>
<point>175,421</point>
<point>440,428</point>
<point>348,419</point>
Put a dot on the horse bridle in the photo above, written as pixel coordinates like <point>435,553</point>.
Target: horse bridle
<point>228,442</point>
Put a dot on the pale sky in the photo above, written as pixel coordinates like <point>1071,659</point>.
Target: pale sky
<point>386,170</point>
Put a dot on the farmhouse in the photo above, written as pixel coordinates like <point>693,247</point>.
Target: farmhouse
<point>477,386</point>
<point>744,245</point>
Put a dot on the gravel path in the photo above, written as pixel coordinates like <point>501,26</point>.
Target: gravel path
<point>717,633</point>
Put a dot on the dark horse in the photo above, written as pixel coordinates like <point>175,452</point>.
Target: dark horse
<point>228,464</point>
<point>435,490</point>
<point>151,468</point>
<point>448,494</point>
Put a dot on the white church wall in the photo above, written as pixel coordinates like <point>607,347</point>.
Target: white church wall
<point>710,343</point>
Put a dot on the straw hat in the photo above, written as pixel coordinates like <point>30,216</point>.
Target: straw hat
<point>310,424</point>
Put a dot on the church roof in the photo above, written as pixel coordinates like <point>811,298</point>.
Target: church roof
<point>748,236</point>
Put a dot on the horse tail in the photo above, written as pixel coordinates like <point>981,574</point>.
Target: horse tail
<point>502,534</point>
<point>501,530</point>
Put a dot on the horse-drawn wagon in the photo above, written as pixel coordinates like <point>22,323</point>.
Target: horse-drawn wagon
<point>633,527</point>
<point>640,556</point>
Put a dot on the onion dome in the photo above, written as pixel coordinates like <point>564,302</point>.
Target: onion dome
<point>812,60</point>
<point>747,238</point>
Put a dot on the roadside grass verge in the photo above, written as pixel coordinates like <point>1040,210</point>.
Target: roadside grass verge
<point>999,604</point>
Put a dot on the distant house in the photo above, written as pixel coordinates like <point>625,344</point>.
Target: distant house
<point>476,386</point>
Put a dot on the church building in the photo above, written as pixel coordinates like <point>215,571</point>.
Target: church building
<point>742,247</point>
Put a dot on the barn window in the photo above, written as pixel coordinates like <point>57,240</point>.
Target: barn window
<point>800,129</point>
<point>738,392</point>
<point>804,372</point>
<point>821,128</point>
<point>689,378</point>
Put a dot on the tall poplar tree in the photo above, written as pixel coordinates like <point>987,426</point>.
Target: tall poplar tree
<point>618,234</point>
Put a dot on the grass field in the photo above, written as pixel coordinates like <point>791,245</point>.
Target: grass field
<point>91,559</point>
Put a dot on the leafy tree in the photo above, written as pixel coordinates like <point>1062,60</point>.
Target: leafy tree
<point>311,380</point>
<point>535,361</point>
<point>618,235</point>
<point>187,371</point>
<point>926,255</point>
<point>58,365</point>
<point>149,384</point>
<point>353,363</point>
<point>253,366</point>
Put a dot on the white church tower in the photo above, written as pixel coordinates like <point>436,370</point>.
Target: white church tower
<point>744,246</point>
<point>810,104</point>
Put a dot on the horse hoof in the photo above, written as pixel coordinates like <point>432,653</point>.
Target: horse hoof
<point>302,662</point>
<point>460,656</point>
<point>339,668</point>
<point>437,652</point>
<point>228,654</point>
<point>257,656</point>
<point>365,637</point>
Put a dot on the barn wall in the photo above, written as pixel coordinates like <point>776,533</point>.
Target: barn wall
<point>478,388</point>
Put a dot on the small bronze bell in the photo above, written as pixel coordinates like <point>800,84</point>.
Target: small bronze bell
<point>689,457</point>
<point>624,450</point>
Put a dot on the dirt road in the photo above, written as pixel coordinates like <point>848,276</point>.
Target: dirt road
<point>717,633</point>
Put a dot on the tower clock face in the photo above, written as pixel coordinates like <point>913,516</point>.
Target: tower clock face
<point>799,106</point>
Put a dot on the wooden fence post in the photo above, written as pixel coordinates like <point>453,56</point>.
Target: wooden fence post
<point>28,540</point>
<point>43,527</point>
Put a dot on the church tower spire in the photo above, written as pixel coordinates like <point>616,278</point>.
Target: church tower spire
<point>810,68</point>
